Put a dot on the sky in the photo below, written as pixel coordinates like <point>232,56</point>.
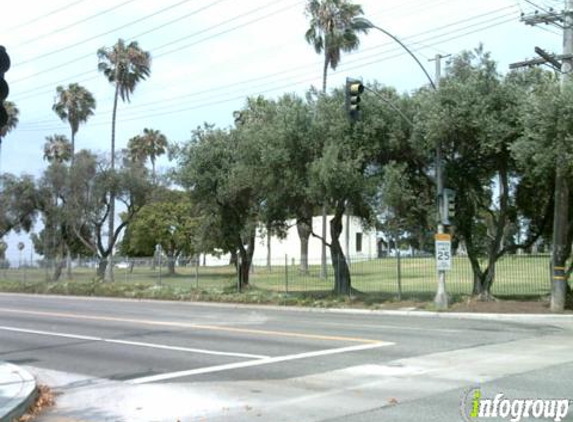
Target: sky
<point>208,56</point>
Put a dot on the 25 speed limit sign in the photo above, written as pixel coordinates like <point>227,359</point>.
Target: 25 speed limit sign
<point>443,252</point>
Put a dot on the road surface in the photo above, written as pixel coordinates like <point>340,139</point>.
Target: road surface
<point>122,360</point>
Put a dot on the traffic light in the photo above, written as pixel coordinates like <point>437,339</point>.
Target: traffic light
<point>449,204</point>
<point>238,116</point>
<point>352,98</point>
<point>4,90</point>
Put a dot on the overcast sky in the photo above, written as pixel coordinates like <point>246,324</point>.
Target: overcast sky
<point>209,55</point>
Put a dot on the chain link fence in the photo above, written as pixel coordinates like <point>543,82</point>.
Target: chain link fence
<point>391,277</point>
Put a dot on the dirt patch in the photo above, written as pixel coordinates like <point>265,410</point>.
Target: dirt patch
<point>504,307</point>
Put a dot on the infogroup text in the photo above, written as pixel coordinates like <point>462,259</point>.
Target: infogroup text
<point>475,407</point>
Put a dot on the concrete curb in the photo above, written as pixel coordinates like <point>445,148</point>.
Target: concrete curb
<point>18,391</point>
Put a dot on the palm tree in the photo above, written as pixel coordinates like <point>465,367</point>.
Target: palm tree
<point>151,144</point>
<point>124,66</point>
<point>57,149</point>
<point>74,105</point>
<point>334,27</point>
<point>13,114</point>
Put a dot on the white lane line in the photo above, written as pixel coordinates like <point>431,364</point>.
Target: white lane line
<point>259,362</point>
<point>133,343</point>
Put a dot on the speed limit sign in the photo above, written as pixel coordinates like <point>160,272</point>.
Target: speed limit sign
<point>443,252</point>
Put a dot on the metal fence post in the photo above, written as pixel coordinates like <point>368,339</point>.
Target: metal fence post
<point>399,268</point>
<point>286,273</point>
<point>197,273</point>
<point>160,268</point>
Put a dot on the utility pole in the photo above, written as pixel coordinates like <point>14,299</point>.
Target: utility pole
<point>561,213</point>
<point>441,298</point>
<point>563,20</point>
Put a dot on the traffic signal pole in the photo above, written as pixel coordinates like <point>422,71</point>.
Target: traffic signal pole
<point>441,298</point>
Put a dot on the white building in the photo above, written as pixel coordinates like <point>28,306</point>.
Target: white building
<point>357,243</point>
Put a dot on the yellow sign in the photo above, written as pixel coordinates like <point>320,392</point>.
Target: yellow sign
<point>444,237</point>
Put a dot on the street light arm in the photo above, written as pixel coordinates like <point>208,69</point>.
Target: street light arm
<point>407,49</point>
<point>392,106</point>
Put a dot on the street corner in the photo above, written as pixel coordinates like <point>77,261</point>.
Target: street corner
<point>18,391</point>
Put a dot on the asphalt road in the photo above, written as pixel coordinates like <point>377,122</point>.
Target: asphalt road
<point>120,360</point>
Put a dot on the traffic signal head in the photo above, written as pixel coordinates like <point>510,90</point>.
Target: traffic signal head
<point>449,206</point>
<point>352,98</point>
<point>238,116</point>
<point>4,90</point>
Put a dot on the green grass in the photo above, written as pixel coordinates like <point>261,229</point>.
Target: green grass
<point>516,276</point>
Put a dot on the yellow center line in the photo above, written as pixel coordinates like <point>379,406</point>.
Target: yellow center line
<point>193,326</point>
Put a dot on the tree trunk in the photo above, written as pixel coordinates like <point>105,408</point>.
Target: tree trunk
<point>59,267</point>
<point>342,281</point>
<point>324,204</point>
<point>111,223</point>
<point>483,280</point>
<point>69,262</point>
<point>170,264</point>
<point>73,146</point>
<point>233,260</point>
<point>246,255</point>
<point>304,229</point>
<point>101,268</point>
<point>325,71</point>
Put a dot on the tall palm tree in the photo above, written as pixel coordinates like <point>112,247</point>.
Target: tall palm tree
<point>57,149</point>
<point>151,144</point>
<point>74,105</point>
<point>335,26</point>
<point>124,66</point>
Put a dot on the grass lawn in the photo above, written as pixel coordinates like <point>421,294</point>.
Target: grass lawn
<point>516,276</point>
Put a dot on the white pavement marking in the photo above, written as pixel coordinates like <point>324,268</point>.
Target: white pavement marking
<point>259,362</point>
<point>134,343</point>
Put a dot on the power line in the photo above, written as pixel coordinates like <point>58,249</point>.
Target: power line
<point>188,45</point>
<point>194,12</point>
<point>63,28</point>
<point>48,14</point>
<point>411,40</point>
<point>94,71</point>
<point>178,108</point>
<point>77,59</point>
<point>251,12</point>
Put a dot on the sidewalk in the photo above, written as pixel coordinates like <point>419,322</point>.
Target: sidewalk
<point>17,391</point>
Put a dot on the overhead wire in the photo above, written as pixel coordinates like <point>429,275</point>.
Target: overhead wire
<point>24,94</point>
<point>43,16</point>
<point>63,28</point>
<point>176,108</point>
<point>148,31</point>
<point>77,59</point>
<point>411,40</point>
<point>155,103</point>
